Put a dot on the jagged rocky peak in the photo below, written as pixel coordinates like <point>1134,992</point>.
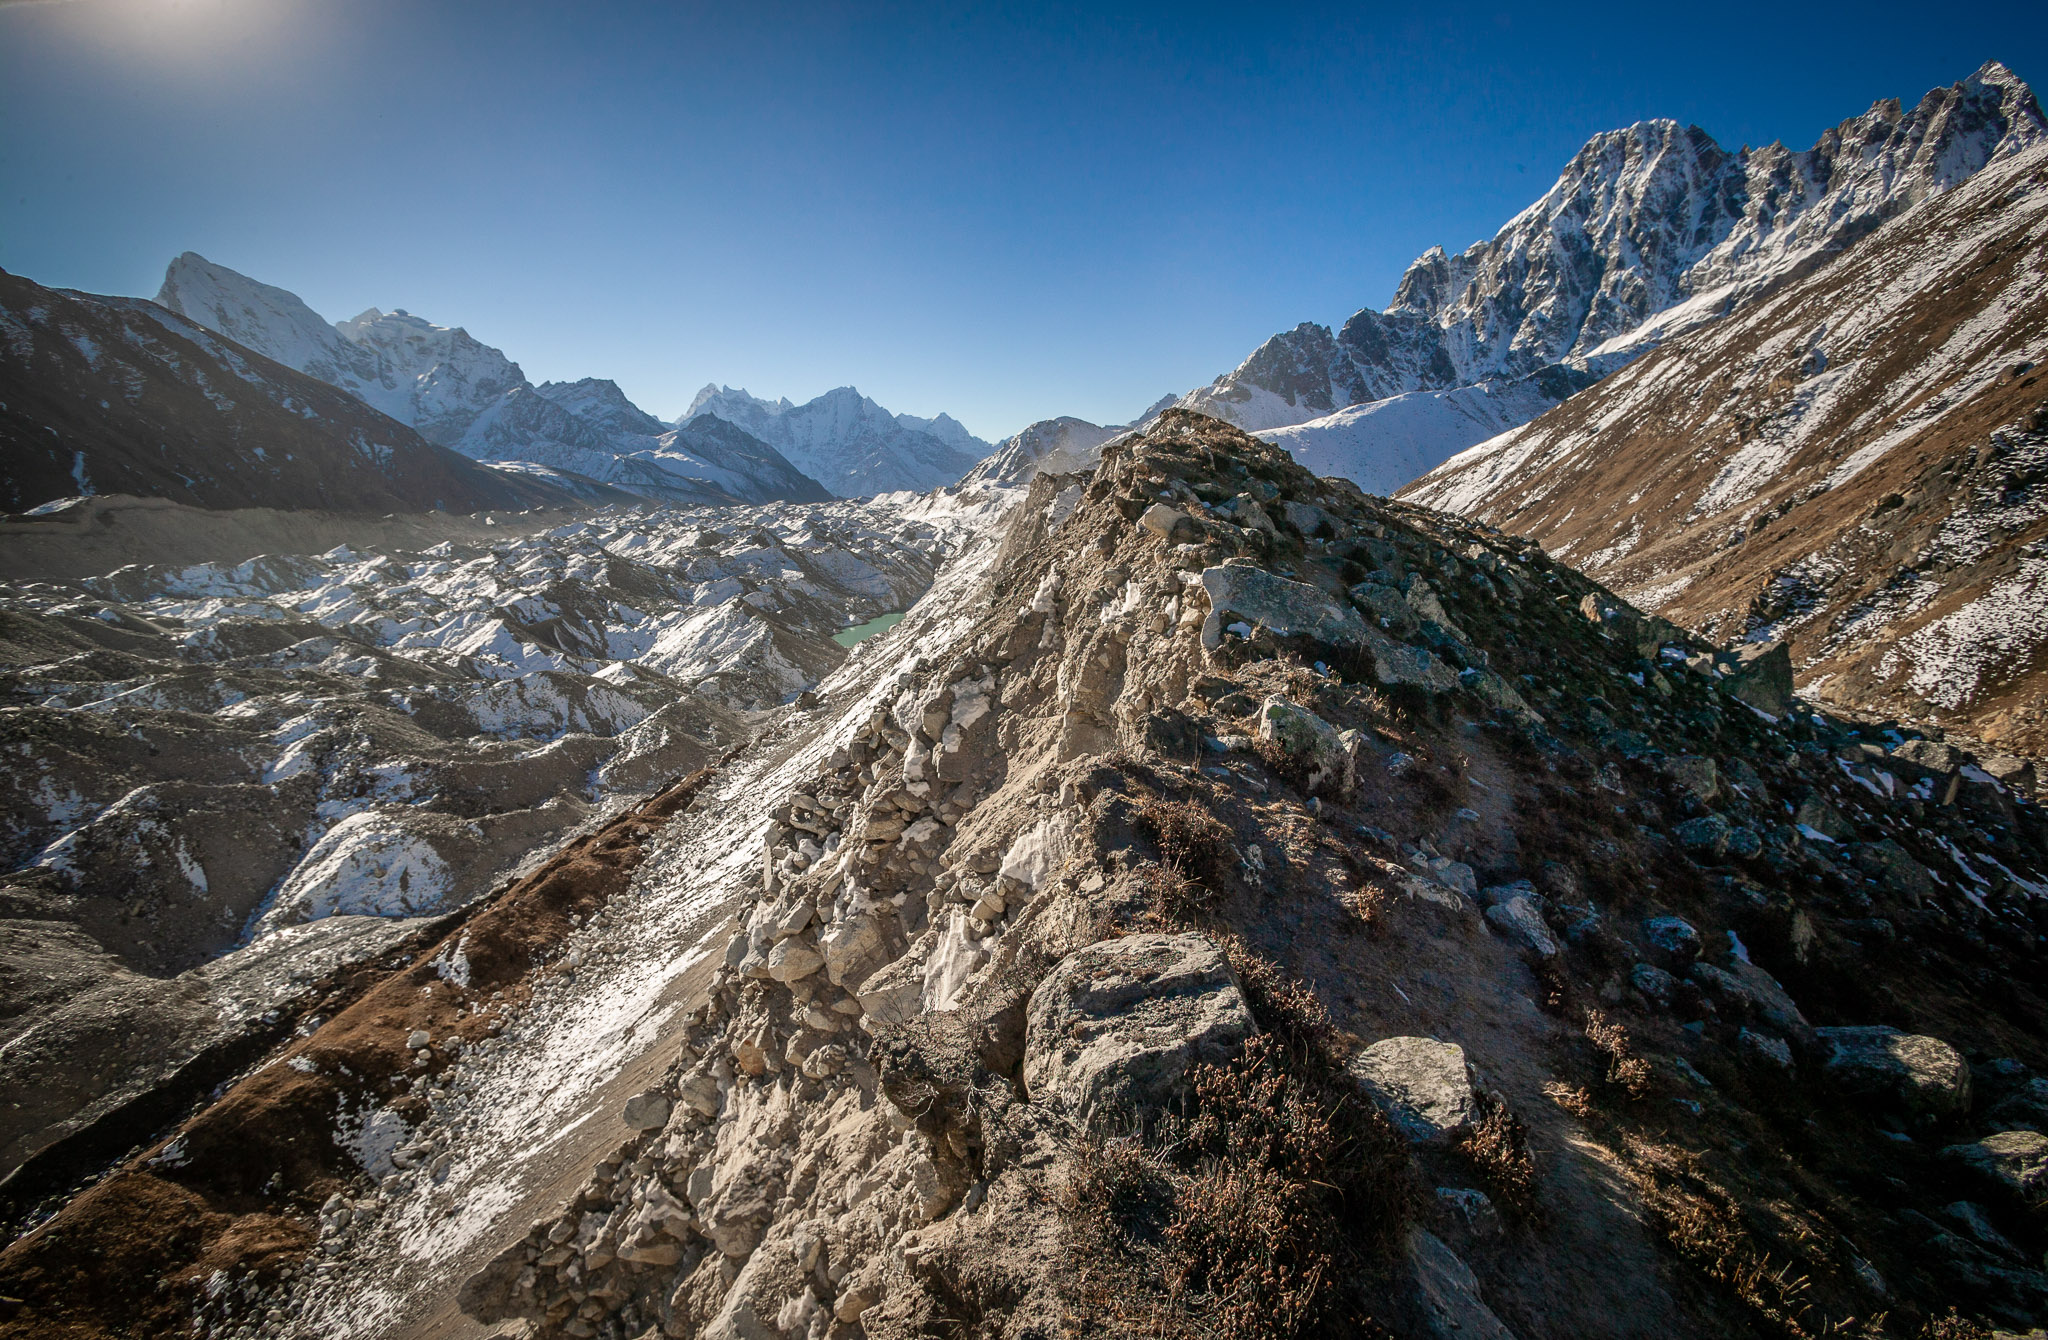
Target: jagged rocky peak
<point>1851,466</point>
<point>1650,230</point>
<point>599,400</point>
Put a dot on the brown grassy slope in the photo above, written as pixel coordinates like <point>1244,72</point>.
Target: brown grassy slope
<point>1917,345</point>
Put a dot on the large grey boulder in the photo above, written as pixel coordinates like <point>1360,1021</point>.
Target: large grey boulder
<point>1112,1032</point>
<point>1241,593</point>
<point>1425,1086</point>
<point>2012,1163</point>
<point>1762,676</point>
<point>1743,990</point>
<point>1923,1075</point>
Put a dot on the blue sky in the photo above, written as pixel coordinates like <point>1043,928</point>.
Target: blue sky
<point>1004,212</point>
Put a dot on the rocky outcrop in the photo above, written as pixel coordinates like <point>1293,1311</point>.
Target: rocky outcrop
<point>1116,1028</point>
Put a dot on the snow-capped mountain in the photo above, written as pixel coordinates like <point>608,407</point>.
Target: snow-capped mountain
<point>459,392</point>
<point>847,442</point>
<point>1853,463</point>
<point>103,395</point>
<point>1649,231</point>
<point>1057,445</point>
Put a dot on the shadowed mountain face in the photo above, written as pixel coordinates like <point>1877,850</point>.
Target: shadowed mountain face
<point>118,395</point>
<point>1855,463</point>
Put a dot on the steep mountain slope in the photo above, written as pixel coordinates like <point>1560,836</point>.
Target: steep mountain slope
<point>1649,231</point>
<point>466,395</point>
<point>1858,463</point>
<point>118,395</point>
<point>847,442</point>
<point>1235,905</point>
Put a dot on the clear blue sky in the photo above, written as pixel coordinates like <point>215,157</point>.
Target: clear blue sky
<point>1005,212</point>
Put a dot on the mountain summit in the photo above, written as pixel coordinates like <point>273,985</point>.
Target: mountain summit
<point>1649,230</point>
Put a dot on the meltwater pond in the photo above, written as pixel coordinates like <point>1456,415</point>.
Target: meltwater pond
<point>882,623</point>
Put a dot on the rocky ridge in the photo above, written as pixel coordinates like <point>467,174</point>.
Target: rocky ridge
<point>1234,904</point>
<point>1649,231</point>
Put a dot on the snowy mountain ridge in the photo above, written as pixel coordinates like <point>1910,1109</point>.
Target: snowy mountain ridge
<point>1650,230</point>
<point>848,442</point>
<point>460,393</point>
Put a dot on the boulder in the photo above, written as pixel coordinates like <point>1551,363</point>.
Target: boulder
<point>1112,1032</point>
<point>1674,937</point>
<point>1037,852</point>
<point>1658,986</point>
<point>1747,991</point>
<point>1521,924</point>
<point>1168,523</point>
<point>1923,1075</point>
<point>1706,837</point>
<point>1698,776</point>
<point>853,949</point>
<point>1447,1293</point>
<point>1240,592</point>
<point>1330,755</point>
<point>646,1111</point>
<point>1762,677</point>
<point>1424,1086</point>
<point>2012,1164</point>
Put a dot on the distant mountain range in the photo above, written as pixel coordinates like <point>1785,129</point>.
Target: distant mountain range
<point>464,394</point>
<point>848,442</point>
<point>104,395</point>
<point>1650,231</point>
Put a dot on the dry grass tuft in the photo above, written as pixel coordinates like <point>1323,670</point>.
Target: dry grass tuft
<point>1498,1151</point>
<point>1572,1098</point>
<point>1954,1326</point>
<point>1191,840</point>
<point>1624,1067</point>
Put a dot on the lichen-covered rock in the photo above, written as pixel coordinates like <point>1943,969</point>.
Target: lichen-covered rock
<point>1239,592</point>
<point>1330,754</point>
<point>1425,1086</point>
<point>1113,1030</point>
<point>1924,1075</point>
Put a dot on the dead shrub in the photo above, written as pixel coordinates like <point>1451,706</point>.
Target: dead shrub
<point>1624,1067</point>
<point>1190,839</point>
<point>1367,905</point>
<point>1497,1148</point>
<point>1244,1214</point>
<point>1954,1326</point>
<point>1571,1097</point>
